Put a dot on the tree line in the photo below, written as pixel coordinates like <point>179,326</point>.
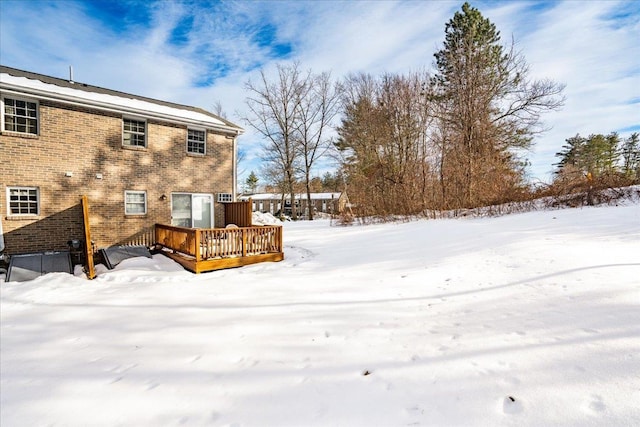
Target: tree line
<point>596,162</point>
<point>599,156</point>
<point>406,143</point>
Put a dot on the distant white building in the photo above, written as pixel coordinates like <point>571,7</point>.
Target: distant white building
<point>332,203</point>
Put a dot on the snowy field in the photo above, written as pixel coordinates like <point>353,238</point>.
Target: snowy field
<point>524,320</point>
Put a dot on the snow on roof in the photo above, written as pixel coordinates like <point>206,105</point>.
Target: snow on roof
<point>46,87</point>
<point>278,196</point>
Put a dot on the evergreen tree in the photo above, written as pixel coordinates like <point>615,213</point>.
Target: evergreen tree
<point>596,155</point>
<point>252,182</point>
<point>331,182</point>
<point>488,106</point>
<point>630,153</point>
<point>602,153</point>
<point>571,152</point>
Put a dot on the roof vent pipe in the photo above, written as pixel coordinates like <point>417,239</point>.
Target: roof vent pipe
<point>70,73</point>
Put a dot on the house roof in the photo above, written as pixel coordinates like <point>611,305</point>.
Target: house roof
<point>15,81</point>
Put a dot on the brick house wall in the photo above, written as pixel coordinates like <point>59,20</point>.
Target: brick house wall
<point>88,143</point>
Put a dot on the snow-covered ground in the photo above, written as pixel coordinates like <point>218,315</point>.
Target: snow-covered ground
<point>525,320</point>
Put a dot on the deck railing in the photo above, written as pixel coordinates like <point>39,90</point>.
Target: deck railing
<point>144,237</point>
<point>204,244</point>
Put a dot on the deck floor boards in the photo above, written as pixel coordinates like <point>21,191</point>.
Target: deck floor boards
<point>214,264</point>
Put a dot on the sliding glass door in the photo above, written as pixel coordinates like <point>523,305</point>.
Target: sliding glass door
<point>192,210</point>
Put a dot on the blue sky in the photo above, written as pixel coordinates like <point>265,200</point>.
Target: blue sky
<point>203,52</point>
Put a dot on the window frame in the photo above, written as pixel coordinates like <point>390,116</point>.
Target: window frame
<point>144,193</point>
<point>28,214</point>
<point>3,115</point>
<point>204,142</point>
<point>192,209</point>
<point>146,131</point>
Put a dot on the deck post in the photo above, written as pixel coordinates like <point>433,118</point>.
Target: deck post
<point>196,250</point>
<point>244,242</point>
<point>90,268</point>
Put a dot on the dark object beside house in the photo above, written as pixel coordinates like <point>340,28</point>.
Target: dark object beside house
<point>114,255</point>
<point>31,266</point>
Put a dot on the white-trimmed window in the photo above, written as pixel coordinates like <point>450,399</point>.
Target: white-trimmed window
<point>20,115</point>
<point>196,141</point>
<point>23,201</point>
<point>135,202</point>
<point>134,133</point>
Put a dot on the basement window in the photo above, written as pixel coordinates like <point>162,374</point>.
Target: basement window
<point>19,115</point>
<point>23,201</point>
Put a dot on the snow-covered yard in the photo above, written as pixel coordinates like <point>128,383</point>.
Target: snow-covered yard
<point>525,320</point>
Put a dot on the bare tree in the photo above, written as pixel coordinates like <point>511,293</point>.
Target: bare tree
<point>317,108</point>
<point>358,141</point>
<point>385,141</point>
<point>450,141</point>
<point>275,178</point>
<point>293,115</point>
<point>273,113</point>
<point>218,110</point>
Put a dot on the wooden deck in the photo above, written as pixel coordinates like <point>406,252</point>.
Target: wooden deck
<point>199,250</point>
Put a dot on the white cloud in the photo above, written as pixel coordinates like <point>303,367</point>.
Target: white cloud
<point>578,43</point>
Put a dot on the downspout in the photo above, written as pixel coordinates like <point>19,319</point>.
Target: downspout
<point>234,165</point>
<point>234,169</point>
<point>2,256</point>
<point>1,240</point>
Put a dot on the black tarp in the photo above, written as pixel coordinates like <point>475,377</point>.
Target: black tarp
<point>114,255</point>
<point>26,267</point>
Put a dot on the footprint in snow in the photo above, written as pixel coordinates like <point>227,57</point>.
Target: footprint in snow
<point>415,410</point>
<point>152,385</point>
<point>296,254</point>
<point>119,369</point>
<point>597,405</point>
